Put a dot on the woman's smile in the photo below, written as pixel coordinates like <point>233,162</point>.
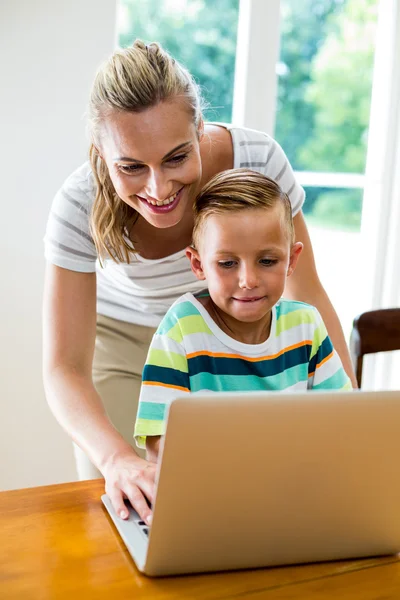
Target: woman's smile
<point>162,206</point>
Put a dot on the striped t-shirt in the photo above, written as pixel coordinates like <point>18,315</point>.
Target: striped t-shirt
<point>190,353</point>
<point>141,292</point>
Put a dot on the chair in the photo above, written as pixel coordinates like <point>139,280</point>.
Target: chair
<point>374,331</point>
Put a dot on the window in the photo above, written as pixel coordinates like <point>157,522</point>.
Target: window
<point>322,109</point>
<point>195,34</point>
<point>322,118</point>
<point>324,91</point>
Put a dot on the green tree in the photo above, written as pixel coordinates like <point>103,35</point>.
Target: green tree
<point>339,208</point>
<point>340,92</point>
<point>195,34</point>
<point>305,25</point>
<point>324,76</point>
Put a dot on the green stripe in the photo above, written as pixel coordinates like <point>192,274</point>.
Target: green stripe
<point>320,334</point>
<point>293,319</point>
<point>248,383</point>
<point>338,381</point>
<point>165,358</point>
<point>180,310</point>
<point>188,325</point>
<point>144,428</point>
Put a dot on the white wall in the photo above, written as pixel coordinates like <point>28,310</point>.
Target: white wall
<point>49,51</point>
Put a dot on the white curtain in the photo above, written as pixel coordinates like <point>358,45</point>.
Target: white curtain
<point>380,237</point>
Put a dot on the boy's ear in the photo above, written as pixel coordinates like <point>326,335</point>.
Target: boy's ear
<point>195,262</point>
<point>294,257</point>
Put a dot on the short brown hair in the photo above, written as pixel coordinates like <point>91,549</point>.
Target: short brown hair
<point>236,190</point>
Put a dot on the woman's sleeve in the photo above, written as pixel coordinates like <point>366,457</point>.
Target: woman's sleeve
<point>67,241</point>
<point>278,168</point>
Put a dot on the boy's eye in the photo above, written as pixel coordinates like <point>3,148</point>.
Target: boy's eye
<point>227,264</point>
<point>268,262</point>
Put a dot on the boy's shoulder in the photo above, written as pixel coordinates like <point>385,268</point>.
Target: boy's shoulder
<point>185,315</point>
<point>297,312</point>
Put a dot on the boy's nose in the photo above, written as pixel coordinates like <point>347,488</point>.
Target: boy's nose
<point>248,279</point>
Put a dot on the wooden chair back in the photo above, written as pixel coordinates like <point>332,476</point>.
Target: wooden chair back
<point>374,331</point>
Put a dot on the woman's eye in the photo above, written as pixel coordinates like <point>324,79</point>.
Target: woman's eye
<point>175,160</point>
<point>227,264</point>
<point>130,168</point>
<point>268,262</point>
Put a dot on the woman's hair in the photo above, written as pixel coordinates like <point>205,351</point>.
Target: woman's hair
<point>132,80</point>
<point>237,190</point>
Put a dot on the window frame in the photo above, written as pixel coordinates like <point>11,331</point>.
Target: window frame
<point>254,106</point>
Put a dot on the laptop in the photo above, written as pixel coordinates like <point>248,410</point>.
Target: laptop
<point>261,479</point>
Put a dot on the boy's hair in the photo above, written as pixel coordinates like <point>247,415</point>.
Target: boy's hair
<point>236,190</point>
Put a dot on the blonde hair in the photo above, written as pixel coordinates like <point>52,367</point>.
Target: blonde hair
<point>132,80</point>
<point>237,190</point>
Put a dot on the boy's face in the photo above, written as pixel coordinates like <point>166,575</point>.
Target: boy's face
<point>245,257</point>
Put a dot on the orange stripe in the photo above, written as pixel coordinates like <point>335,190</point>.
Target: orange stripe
<point>168,385</point>
<point>270,357</point>
<point>324,361</point>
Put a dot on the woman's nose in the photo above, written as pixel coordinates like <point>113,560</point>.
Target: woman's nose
<point>158,186</point>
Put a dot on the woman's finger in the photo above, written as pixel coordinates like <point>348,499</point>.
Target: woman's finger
<point>117,502</point>
<point>139,503</point>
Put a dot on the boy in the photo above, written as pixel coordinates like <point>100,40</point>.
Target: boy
<point>238,334</point>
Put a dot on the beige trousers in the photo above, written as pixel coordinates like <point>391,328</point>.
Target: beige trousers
<point>120,353</point>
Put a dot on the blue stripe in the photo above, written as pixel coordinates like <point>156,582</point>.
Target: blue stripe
<point>239,366</point>
<point>248,383</point>
<point>165,375</point>
<point>284,307</point>
<point>335,382</point>
<point>151,411</point>
<point>323,351</point>
<point>183,309</point>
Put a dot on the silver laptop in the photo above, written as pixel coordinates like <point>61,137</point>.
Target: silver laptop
<point>260,479</point>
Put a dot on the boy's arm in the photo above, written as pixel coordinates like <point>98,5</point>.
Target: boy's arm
<point>165,376</point>
<point>152,447</point>
<point>325,369</point>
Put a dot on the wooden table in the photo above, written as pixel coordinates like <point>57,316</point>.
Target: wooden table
<point>58,542</point>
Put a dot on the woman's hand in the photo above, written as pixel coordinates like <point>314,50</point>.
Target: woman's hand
<point>128,476</point>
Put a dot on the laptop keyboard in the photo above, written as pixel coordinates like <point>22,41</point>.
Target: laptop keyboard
<point>143,526</point>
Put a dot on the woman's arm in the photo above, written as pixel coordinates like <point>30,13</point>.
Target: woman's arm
<point>304,285</point>
<point>69,317</point>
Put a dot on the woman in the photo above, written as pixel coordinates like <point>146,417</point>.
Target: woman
<point>130,208</point>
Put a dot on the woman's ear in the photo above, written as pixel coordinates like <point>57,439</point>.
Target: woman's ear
<point>195,262</point>
<point>200,129</point>
<point>97,149</point>
<point>294,257</point>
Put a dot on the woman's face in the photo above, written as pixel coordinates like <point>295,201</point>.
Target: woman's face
<point>153,158</point>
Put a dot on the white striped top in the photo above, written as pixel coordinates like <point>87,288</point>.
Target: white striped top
<point>142,291</point>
